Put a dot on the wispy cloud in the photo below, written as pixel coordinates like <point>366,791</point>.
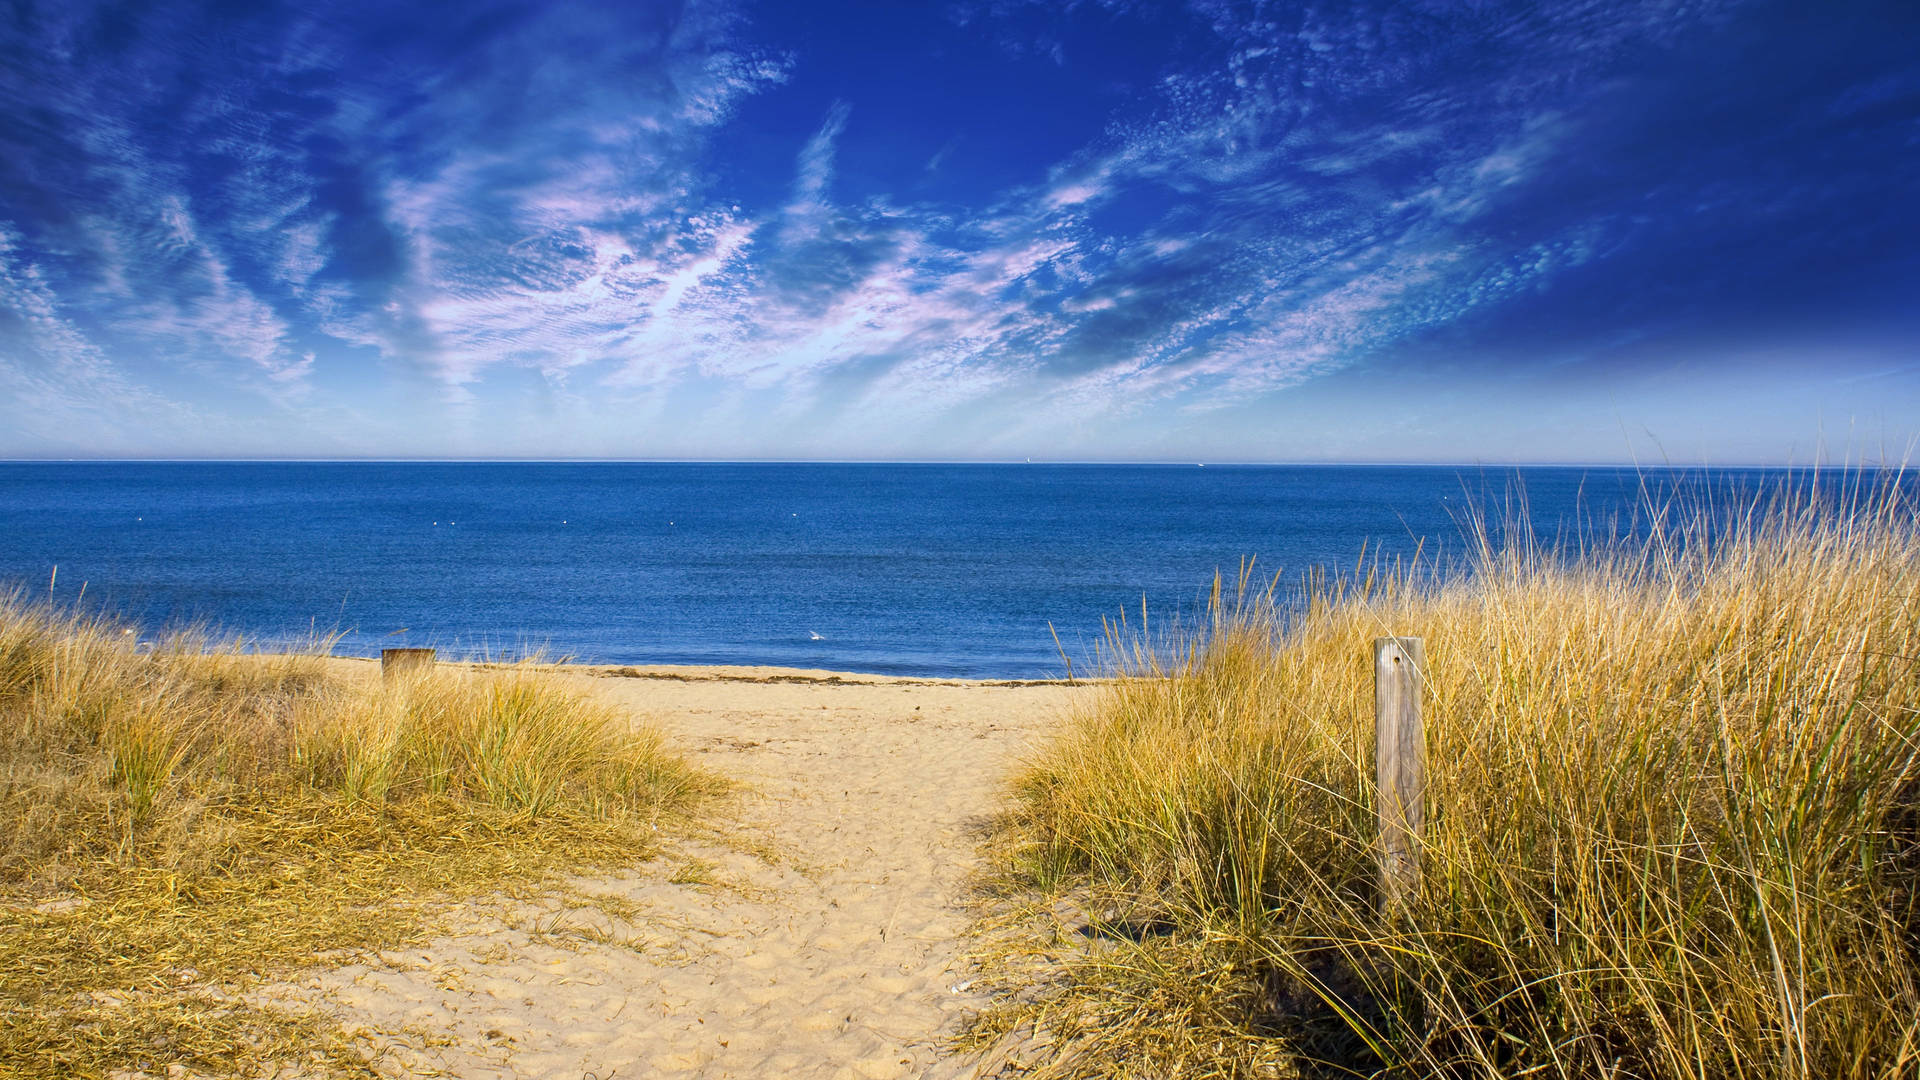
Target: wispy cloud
<point>292,207</point>
<point>471,203</point>
<point>64,391</point>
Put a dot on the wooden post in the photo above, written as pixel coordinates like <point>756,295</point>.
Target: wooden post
<point>1399,763</point>
<point>398,661</point>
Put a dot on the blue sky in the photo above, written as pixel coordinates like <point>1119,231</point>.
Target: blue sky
<point>984,229</point>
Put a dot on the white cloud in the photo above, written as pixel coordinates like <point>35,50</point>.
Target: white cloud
<point>1311,199</point>
<point>62,391</point>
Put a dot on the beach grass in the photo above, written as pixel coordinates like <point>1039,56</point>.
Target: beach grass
<point>179,824</point>
<point>1673,820</point>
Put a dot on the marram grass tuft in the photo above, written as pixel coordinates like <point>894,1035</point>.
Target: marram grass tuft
<point>1673,822</point>
<point>178,824</point>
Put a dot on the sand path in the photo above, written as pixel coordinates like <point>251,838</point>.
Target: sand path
<point>822,939</point>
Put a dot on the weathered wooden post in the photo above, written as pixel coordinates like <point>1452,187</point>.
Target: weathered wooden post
<point>1399,764</point>
<point>399,661</point>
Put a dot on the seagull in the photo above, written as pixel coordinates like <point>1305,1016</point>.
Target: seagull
<point>815,636</point>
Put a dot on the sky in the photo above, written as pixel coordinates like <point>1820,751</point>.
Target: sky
<point>1472,231</point>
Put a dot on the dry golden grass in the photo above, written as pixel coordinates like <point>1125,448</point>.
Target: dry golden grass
<point>1674,823</point>
<point>177,825</point>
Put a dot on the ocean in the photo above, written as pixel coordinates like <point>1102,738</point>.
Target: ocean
<point>923,569</point>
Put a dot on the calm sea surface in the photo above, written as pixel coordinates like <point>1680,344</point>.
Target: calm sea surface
<point>922,569</point>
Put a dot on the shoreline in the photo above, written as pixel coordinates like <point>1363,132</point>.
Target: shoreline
<point>766,674</point>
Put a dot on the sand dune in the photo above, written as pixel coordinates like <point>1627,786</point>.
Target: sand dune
<point>818,934</point>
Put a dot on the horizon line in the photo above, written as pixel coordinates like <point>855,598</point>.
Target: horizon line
<point>1136,462</point>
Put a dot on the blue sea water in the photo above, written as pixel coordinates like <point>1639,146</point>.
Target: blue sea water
<point>948,570</point>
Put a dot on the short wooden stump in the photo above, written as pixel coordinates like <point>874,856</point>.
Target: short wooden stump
<point>398,661</point>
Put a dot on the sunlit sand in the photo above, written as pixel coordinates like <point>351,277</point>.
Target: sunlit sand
<point>819,933</point>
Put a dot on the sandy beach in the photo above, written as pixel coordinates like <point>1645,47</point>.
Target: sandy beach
<point>816,931</point>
